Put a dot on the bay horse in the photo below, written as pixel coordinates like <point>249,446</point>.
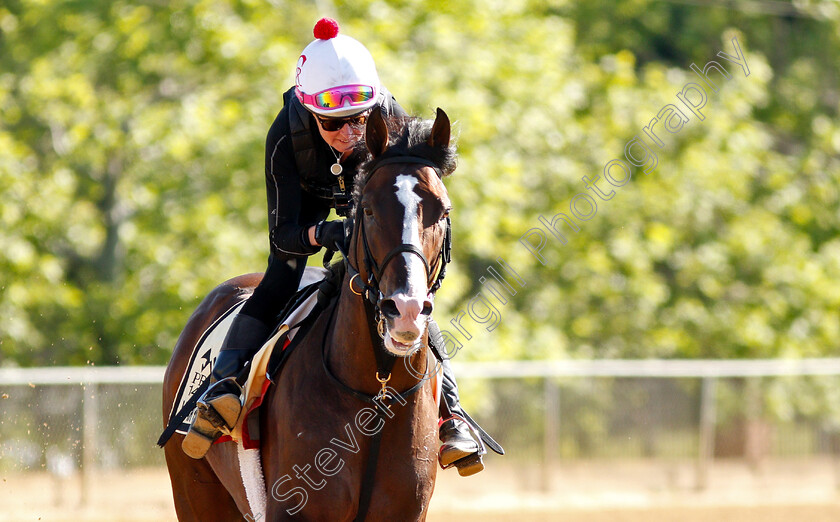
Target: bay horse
<point>319,437</point>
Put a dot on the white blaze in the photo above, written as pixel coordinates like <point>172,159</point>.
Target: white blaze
<point>411,233</point>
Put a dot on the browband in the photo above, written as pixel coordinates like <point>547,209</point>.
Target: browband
<point>402,159</point>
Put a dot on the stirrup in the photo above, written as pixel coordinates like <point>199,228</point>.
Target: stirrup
<point>200,437</point>
<point>222,411</point>
<point>214,417</point>
<point>469,463</point>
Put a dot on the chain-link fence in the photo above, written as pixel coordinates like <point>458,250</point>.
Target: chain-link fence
<point>549,416</point>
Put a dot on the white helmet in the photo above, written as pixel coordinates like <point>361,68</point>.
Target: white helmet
<point>335,74</point>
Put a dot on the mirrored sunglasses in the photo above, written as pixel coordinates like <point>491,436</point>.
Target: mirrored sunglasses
<point>335,124</point>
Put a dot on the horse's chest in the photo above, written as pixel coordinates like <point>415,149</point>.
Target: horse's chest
<point>324,452</point>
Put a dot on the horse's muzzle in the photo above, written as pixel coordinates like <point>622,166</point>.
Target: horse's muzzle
<point>405,319</point>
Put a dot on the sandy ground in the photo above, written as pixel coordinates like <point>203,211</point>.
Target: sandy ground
<point>792,490</point>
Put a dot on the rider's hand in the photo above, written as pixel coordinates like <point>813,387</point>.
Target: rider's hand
<point>330,234</point>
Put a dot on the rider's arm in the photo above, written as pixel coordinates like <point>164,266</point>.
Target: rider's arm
<point>282,182</point>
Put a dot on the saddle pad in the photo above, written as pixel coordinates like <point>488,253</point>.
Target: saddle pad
<point>210,343</point>
<point>201,363</point>
<point>245,430</point>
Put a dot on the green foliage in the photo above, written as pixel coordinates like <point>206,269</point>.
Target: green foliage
<point>131,169</point>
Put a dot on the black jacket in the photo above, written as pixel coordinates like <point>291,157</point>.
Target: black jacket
<point>299,189</point>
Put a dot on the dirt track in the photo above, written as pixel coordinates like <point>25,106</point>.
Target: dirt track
<point>591,492</point>
<point>808,513</point>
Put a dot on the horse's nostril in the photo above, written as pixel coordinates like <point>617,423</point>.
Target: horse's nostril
<point>389,309</point>
<point>427,308</point>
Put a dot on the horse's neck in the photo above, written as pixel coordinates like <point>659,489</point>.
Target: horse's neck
<point>351,354</point>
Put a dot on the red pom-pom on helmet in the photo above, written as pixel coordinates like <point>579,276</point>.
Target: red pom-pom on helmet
<point>325,29</point>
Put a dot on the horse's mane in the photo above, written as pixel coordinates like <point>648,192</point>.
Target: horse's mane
<point>407,137</point>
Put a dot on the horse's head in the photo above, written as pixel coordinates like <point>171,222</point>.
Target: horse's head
<point>400,243</point>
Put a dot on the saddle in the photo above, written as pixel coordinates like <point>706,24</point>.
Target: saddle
<point>268,361</point>
<point>318,287</point>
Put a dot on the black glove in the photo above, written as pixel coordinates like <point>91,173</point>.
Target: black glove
<point>330,234</point>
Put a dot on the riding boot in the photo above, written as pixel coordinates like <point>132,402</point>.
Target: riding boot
<point>458,445</point>
<point>219,408</point>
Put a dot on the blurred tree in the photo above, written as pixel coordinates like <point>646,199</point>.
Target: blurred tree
<point>131,137</point>
<point>131,146</point>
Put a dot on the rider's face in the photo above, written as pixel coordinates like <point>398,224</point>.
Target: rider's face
<point>344,138</point>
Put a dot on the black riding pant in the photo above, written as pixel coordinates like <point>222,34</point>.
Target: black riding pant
<point>284,271</point>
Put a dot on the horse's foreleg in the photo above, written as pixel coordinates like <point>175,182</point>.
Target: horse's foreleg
<point>198,493</point>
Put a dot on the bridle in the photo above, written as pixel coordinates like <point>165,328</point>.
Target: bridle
<point>370,289</point>
<point>372,299</point>
<point>374,269</point>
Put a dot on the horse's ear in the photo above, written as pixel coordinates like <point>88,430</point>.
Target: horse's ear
<point>376,133</point>
<point>440,130</point>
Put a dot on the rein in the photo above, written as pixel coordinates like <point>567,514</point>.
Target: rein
<point>372,297</point>
<point>380,398</point>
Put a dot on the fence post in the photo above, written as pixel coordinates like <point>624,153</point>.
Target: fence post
<point>90,419</point>
<point>708,414</point>
<point>834,448</point>
<point>552,430</point>
<point>754,430</point>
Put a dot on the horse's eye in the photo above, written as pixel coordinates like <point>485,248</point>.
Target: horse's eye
<point>368,211</point>
<point>446,213</point>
